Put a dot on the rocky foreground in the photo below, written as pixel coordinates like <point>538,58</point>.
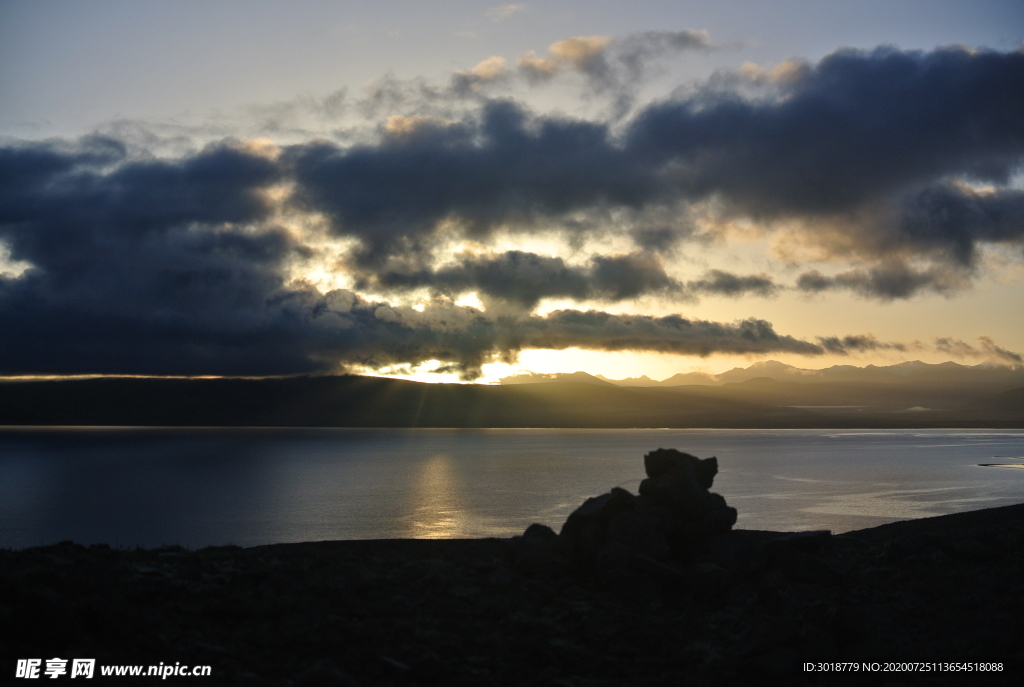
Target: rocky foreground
<point>649,589</point>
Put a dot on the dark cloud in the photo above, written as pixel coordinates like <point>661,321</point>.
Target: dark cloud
<point>509,168</point>
<point>955,348</point>
<point>619,277</point>
<point>887,281</point>
<point>862,343</point>
<point>660,237</point>
<point>671,334</point>
<point>954,218</point>
<point>857,128</point>
<point>26,168</point>
<point>860,148</point>
<point>720,283</point>
<point>990,347</point>
<point>525,278</point>
<point>147,266</point>
<point>962,349</point>
<point>514,276</point>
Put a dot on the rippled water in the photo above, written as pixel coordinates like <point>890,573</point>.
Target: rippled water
<point>198,487</point>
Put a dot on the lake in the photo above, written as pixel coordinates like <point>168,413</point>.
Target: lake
<point>199,487</point>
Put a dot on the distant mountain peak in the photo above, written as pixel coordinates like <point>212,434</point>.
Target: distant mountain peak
<point>909,371</point>
<point>628,381</point>
<point>546,378</point>
<point>761,381</point>
<point>771,365</point>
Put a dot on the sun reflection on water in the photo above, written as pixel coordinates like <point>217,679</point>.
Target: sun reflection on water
<point>437,511</point>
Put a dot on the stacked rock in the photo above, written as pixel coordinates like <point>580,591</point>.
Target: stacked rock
<point>674,511</point>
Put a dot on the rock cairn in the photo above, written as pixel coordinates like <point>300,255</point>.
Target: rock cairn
<point>673,514</point>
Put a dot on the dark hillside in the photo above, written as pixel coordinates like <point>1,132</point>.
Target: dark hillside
<point>351,401</point>
<point>877,395</point>
<point>1011,401</point>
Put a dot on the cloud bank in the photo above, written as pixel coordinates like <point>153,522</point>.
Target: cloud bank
<point>896,165</point>
<point>869,152</point>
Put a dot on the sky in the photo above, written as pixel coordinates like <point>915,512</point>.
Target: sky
<point>461,191</point>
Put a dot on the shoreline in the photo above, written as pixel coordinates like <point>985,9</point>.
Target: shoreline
<point>752,605</point>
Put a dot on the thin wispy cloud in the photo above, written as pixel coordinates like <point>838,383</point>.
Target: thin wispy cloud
<point>505,11</point>
<point>987,349</point>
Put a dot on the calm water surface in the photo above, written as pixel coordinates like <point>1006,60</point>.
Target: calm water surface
<point>200,487</point>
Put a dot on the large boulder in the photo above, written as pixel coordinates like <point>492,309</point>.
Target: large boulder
<point>585,531</point>
<point>674,512</point>
<point>677,486</point>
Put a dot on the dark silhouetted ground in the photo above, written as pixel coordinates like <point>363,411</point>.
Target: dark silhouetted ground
<point>748,609</point>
